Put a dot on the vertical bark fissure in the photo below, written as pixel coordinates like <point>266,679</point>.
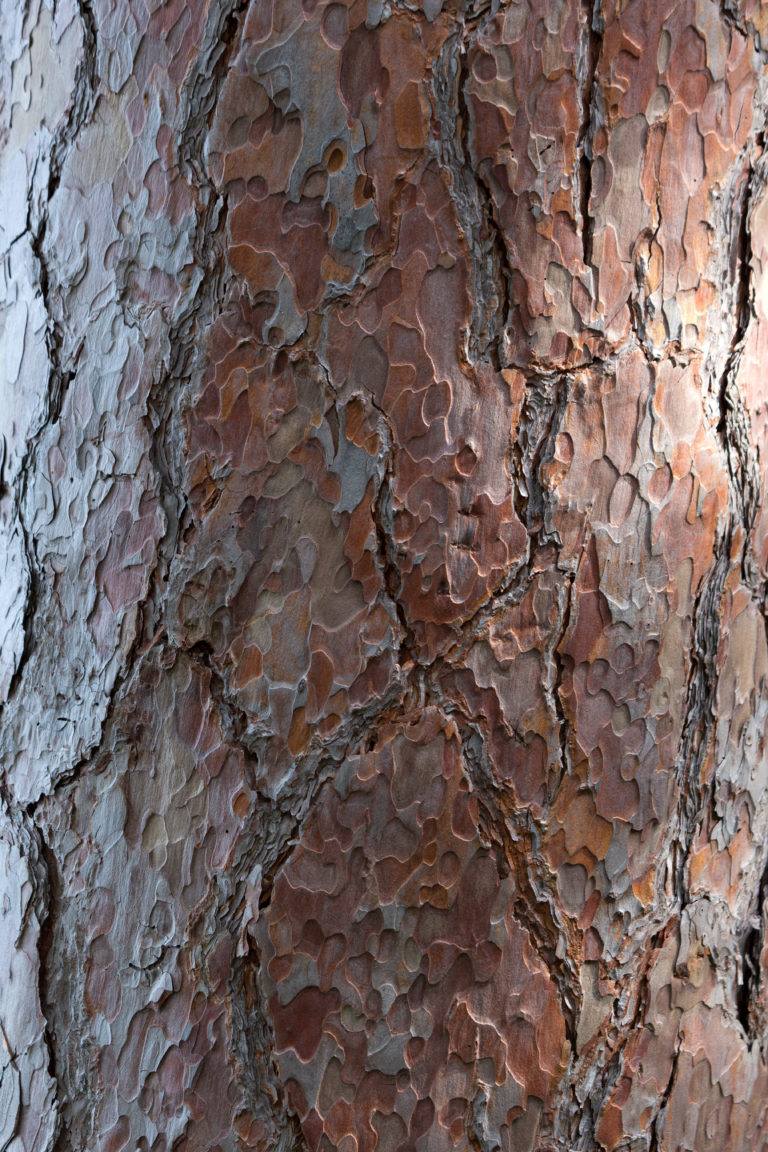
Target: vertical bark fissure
<point>81,105</point>
<point>33,589</point>
<point>641,306</point>
<point>589,95</point>
<point>490,276</point>
<point>85,88</point>
<point>543,409</point>
<point>492,344</point>
<point>628,1015</point>
<point>281,821</point>
<point>198,101</point>
<point>387,549</point>
<point>164,410</point>
<point>557,670</point>
<point>516,838</point>
<point>43,873</point>
<point>485,337</point>
<point>734,434</point>
<point>699,713</point>
<point>62,1141</point>
<point>162,420</point>
<point>264,1096</point>
<point>751,973</point>
<point>382,514</point>
<point>164,417</point>
<point>283,811</point>
<point>734,426</point>
<point>60,376</point>
<point>657,1124</point>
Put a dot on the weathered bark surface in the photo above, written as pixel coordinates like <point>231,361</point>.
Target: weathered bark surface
<point>383,553</point>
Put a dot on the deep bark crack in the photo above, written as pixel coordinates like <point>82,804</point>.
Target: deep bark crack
<point>81,106</point>
<point>748,1010</point>
<point>387,550</point>
<point>641,307</point>
<point>555,660</point>
<point>699,713</point>
<point>484,338</point>
<point>265,1095</point>
<point>734,425</point>
<point>734,433</point>
<point>82,102</point>
<point>62,1140</point>
<point>198,101</point>
<point>591,49</point>
<point>515,837</point>
<point>746,28</point>
<point>661,1112</point>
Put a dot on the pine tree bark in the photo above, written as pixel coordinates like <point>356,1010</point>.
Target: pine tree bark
<point>383,651</point>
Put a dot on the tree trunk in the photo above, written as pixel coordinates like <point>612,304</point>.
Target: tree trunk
<point>384,553</point>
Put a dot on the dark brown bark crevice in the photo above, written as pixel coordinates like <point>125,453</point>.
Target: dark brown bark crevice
<point>751,988</point>
<point>735,438</point>
<point>733,16</point>
<point>84,92</point>
<point>264,1094</point>
<point>733,426</point>
<point>542,415</point>
<point>62,369</point>
<point>388,557</point>
<point>592,115</point>
<point>515,837</point>
<point>61,372</point>
<point>43,903</point>
<point>490,286</point>
<point>657,1124</point>
<point>554,690</point>
<point>202,87</point>
<point>699,713</point>
<point>642,309</point>
<point>62,1138</point>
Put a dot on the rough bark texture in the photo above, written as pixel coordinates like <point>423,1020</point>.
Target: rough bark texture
<point>383,556</point>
